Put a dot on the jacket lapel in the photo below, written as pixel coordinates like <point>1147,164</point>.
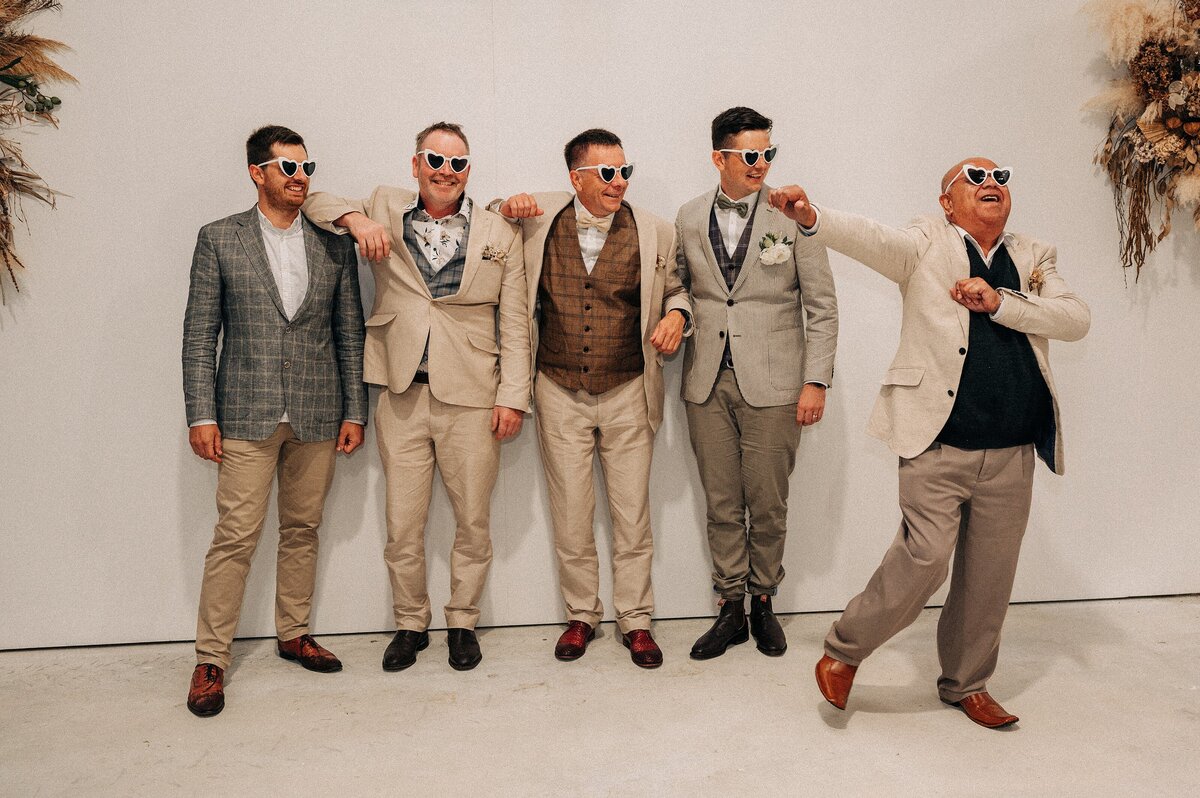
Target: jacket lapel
<point>766,220</point>
<point>256,252</point>
<point>647,234</point>
<point>700,225</point>
<point>960,270</point>
<point>316,262</point>
<point>409,270</point>
<point>477,238</point>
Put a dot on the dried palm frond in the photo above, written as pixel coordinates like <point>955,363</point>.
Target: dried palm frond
<point>1120,100</point>
<point>26,60</point>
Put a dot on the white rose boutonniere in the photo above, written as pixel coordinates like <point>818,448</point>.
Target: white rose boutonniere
<point>774,249</point>
<point>495,254</point>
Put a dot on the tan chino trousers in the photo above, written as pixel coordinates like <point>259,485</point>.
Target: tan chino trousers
<point>244,480</point>
<point>973,504</point>
<point>572,427</point>
<point>745,455</point>
<point>415,433</point>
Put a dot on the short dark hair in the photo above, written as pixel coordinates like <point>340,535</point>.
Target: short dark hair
<point>577,147</point>
<point>446,127</point>
<point>258,146</point>
<point>733,121</point>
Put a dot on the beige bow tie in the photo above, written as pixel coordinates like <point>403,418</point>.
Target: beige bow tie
<point>584,220</point>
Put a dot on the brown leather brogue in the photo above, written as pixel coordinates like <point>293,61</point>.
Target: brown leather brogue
<point>574,642</point>
<point>834,679</point>
<point>984,710</point>
<point>206,694</point>
<point>644,652</point>
<point>310,654</point>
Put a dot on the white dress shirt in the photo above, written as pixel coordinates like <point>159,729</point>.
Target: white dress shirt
<point>731,225</point>
<point>591,240</point>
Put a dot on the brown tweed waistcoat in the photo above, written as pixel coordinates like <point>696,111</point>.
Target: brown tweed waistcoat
<point>590,336</point>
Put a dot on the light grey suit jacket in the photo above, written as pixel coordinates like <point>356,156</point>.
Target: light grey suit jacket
<point>925,259</point>
<point>310,366</point>
<point>781,319</point>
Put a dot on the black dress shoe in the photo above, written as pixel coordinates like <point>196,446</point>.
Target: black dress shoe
<point>728,630</point>
<point>464,649</point>
<point>402,651</point>
<point>765,627</point>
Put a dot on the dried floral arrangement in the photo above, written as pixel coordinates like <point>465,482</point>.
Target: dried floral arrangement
<point>26,62</point>
<point>1152,150</point>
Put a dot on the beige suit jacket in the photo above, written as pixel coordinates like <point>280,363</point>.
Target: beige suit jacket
<point>478,337</point>
<point>781,318</point>
<point>926,258</point>
<point>661,289</point>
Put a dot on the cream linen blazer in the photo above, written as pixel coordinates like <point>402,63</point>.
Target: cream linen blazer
<point>925,259</point>
<point>478,337</point>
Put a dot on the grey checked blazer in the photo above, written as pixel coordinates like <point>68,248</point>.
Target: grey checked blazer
<point>781,319</point>
<point>310,366</point>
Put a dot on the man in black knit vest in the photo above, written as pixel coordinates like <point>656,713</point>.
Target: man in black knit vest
<point>967,405</point>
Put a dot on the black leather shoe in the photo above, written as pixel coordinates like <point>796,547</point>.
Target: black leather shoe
<point>402,651</point>
<point>729,629</point>
<point>464,649</point>
<point>765,627</point>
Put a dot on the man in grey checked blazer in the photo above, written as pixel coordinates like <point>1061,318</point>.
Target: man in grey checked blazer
<point>754,373</point>
<point>287,395</point>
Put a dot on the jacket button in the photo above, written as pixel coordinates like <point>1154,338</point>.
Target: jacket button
<point>587,328</point>
<point>962,350</point>
<point>729,302</point>
<point>587,307</point>
<point>287,364</point>
<point>721,334</point>
<point>585,369</point>
<point>586,349</point>
<point>950,393</point>
<point>587,286</point>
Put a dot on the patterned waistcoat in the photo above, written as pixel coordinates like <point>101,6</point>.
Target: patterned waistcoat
<point>590,337</point>
<point>730,266</point>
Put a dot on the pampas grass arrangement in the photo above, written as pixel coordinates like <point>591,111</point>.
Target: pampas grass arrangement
<point>1152,150</point>
<point>26,62</point>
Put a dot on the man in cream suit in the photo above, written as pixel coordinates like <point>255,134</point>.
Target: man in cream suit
<point>448,276</point>
<point>285,396</point>
<point>967,404</point>
<point>609,306</point>
<point>754,374</point>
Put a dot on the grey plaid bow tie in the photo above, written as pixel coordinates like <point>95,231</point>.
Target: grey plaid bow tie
<point>742,209</point>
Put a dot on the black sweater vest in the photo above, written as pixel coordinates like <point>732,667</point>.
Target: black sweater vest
<point>1002,399</point>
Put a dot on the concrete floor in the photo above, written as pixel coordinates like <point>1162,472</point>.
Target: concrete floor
<point>1108,693</point>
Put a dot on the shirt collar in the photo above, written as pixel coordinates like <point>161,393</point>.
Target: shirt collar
<point>750,199</point>
<point>580,209</point>
<point>464,209</point>
<point>1005,238</point>
<point>295,229</point>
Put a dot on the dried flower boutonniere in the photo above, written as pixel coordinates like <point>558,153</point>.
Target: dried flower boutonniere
<point>773,249</point>
<point>1036,281</point>
<point>661,263</point>
<point>495,254</point>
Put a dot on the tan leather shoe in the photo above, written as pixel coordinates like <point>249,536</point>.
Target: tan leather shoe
<point>310,654</point>
<point>206,694</point>
<point>834,679</point>
<point>983,709</point>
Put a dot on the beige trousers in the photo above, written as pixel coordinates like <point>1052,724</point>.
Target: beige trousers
<point>974,505</point>
<point>745,455</point>
<point>572,427</point>
<point>244,480</point>
<point>415,433</point>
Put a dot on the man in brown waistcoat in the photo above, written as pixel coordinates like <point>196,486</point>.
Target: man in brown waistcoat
<point>610,305</point>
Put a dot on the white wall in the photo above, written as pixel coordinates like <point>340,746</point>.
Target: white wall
<point>105,514</point>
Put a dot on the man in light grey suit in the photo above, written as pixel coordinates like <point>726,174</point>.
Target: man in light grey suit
<point>966,404</point>
<point>754,374</point>
<point>287,394</point>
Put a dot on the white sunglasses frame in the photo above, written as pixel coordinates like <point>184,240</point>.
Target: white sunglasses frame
<point>986,174</point>
<point>773,149</point>
<point>616,170</point>
<point>299,166</point>
<point>446,160</point>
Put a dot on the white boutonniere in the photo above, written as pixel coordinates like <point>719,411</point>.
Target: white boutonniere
<point>1036,281</point>
<point>495,254</point>
<point>774,249</point>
